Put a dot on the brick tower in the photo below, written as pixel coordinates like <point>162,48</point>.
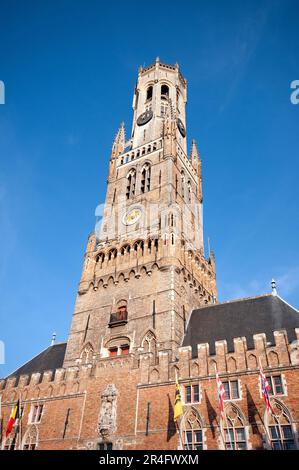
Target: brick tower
<point>144,269</point>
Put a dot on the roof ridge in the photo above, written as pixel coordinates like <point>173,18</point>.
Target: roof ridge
<point>234,300</point>
<point>289,305</point>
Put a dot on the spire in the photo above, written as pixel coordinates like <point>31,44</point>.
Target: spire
<point>194,156</point>
<point>53,340</point>
<point>273,285</point>
<point>196,163</point>
<point>118,145</point>
<point>119,140</point>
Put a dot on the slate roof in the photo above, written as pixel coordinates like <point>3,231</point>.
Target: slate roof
<point>49,359</point>
<point>244,317</point>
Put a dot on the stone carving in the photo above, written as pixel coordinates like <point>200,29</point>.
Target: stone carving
<point>107,419</point>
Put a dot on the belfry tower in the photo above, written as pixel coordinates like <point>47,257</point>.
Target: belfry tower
<point>144,269</point>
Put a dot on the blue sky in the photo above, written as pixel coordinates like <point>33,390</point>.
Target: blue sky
<point>69,68</point>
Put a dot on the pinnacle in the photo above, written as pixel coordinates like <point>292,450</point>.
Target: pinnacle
<point>194,151</point>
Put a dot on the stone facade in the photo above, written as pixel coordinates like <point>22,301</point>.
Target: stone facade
<point>144,272</point>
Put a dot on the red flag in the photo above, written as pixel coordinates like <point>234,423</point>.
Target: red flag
<point>13,417</point>
<point>265,389</point>
<point>221,395</point>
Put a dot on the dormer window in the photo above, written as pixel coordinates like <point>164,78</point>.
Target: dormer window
<point>149,93</point>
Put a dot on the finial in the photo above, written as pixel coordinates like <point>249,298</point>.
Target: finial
<point>157,59</point>
<point>273,285</point>
<point>53,340</point>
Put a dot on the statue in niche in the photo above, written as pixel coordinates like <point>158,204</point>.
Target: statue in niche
<point>107,418</point>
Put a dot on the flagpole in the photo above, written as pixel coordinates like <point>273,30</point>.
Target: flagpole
<point>222,406</point>
<point>180,435</point>
<point>180,413</point>
<point>20,423</point>
<point>271,410</point>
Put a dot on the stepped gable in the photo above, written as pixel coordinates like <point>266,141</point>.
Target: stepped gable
<point>237,318</point>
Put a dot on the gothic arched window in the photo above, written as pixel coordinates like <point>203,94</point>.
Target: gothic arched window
<point>192,430</point>
<point>164,92</point>
<point>139,247</point>
<point>146,178</point>
<point>30,440</point>
<point>87,354</point>
<point>149,93</point>
<point>280,431</point>
<point>149,343</point>
<point>234,429</point>
<point>112,254</point>
<point>131,182</point>
<point>125,250</point>
<point>100,259</point>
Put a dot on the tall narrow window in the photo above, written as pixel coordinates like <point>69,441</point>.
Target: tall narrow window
<point>146,179</point>
<point>36,413</point>
<point>100,259</point>
<point>164,92</point>
<point>280,428</point>
<point>131,182</point>
<point>234,431</point>
<point>149,93</point>
<point>192,431</point>
<point>30,438</point>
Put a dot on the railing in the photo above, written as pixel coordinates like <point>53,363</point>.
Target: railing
<point>118,318</point>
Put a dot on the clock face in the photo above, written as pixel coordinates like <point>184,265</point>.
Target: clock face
<point>181,127</point>
<point>132,216</point>
<point>145,117</point>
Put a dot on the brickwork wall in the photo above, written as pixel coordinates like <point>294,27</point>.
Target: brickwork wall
<point>145,395</point>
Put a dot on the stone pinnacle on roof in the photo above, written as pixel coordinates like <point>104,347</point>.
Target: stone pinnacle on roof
<point>53,340</point>
<point>273,285</point>
<point>194,151</point>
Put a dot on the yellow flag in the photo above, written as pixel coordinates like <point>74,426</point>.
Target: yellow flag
<point>178,407</point>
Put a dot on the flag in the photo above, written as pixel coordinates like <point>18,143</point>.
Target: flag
<point>265,389</point>
<point>13,416</point>
<point>221,396</point>
<point>178,407</point>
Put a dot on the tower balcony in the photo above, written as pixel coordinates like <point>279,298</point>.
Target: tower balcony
<point>118,318</point>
